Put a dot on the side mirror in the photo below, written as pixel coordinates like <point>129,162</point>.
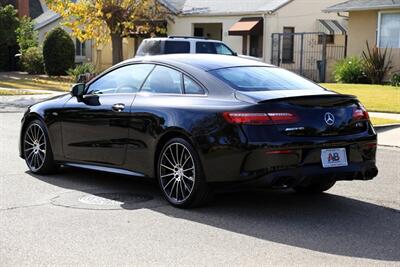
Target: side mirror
<point>78,89</point>
<point>235,54</point>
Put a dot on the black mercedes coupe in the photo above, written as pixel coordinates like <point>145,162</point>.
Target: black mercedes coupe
<point>196,120</point>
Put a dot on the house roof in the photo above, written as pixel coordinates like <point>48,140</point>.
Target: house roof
<point>196,7</point>
<point>213,7</point>
<point>46,18</point>
<point>359,5</point>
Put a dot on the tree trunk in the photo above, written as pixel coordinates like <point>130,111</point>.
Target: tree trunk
<point>116,41</point>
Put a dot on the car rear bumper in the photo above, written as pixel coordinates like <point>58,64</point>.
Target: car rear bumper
<point>305,175</point>
<point>292,164</point>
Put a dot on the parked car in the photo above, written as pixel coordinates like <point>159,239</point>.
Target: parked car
<point>194,120</point>
<point>185,45</point>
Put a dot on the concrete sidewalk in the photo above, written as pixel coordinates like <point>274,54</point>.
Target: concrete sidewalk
<point>389,136</point>
<point>392,116</point>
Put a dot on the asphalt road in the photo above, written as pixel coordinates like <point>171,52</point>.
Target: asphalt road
<point>86,218</point>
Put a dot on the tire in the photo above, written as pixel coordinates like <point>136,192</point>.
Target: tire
<point>37,150</point>
<point>180,175</point>
<point>315,188</point>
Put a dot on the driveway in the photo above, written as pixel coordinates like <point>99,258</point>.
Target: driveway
<point>83,218</point>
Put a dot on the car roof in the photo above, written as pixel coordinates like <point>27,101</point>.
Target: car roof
<point>204,62</point>
<point>182,38</point>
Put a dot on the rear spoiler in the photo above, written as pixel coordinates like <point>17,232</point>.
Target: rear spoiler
<point>309,96</point>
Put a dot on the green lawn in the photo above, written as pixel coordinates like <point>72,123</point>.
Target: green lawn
<point>16,92</point>
<point>380,121</point>
<point>383,98</point>
<point>36,82</point>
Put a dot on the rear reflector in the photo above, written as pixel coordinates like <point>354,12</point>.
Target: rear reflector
<point>260,118</point>
<point>279,152</point>
<point>371,145</point>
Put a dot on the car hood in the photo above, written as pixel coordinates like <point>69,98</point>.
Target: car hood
<point>256,97</point>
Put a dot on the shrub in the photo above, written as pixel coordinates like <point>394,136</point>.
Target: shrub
<point>8,23</point>
<point>58,52</point>
<point>377,63</point>
<point>32,60</point>
<point>85,68</point>
<point>26,36</point>
<point>350,70</point>
<point>395,81</point>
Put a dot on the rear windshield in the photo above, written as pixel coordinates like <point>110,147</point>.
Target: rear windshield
<point>263,79</point>
<point>213,48</point>
<point>176,47</point>
<point>148,48</point>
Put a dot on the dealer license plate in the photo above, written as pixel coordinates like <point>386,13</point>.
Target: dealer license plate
<point>334,157</point>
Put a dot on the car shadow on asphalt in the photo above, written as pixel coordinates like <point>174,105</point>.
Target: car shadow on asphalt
<point>325,223</point>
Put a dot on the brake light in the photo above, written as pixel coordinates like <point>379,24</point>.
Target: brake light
<point>247,118</point>
<point>260,118</point>
<point>360,113</point>
<point>283,117</point>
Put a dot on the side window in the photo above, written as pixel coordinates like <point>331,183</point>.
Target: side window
<point>176,47</point>
<point>127,79</point>
<point>191,87</point>
<point>164,80</point>
<point>223,49</point>
<point>149,47</point>
<point>205,48</point>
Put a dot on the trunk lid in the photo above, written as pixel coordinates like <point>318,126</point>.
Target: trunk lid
<point>327,114</point>
<point>261,96</point>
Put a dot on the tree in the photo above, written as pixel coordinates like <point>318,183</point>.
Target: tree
<point>9,22</point>
<point>8,40</point>
<point>26,35</point>
<point>102,20</point>
<point>58,52</point>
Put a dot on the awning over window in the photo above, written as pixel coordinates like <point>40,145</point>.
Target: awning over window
<point>332,27</point>
<point>247,26</point>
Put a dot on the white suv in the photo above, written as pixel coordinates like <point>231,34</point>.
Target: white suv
<point>182,45</point>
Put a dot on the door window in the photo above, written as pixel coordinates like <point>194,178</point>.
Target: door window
<point>127,79</point>
<point>164,80</point>
<point>191,87</point>
<point>212,48</point>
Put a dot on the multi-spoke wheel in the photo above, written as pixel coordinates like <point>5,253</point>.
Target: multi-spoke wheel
<point>36,148</point>
<point>179,174</point>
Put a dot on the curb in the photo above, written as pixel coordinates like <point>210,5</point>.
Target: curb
<point>385,127</point>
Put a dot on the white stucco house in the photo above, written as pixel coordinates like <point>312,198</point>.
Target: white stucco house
<point>246,26</point>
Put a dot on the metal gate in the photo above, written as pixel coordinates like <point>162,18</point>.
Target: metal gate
<point>307,54</point>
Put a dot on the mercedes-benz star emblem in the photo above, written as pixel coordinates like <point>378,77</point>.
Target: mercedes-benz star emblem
<point>329,118</point>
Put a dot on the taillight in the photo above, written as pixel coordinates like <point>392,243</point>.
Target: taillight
<point>360,113</point>
<point>260,118</point>
<point>247,118</point>
<point>283,117</point>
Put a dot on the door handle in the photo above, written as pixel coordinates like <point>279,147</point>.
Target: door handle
<point>118,107</point>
